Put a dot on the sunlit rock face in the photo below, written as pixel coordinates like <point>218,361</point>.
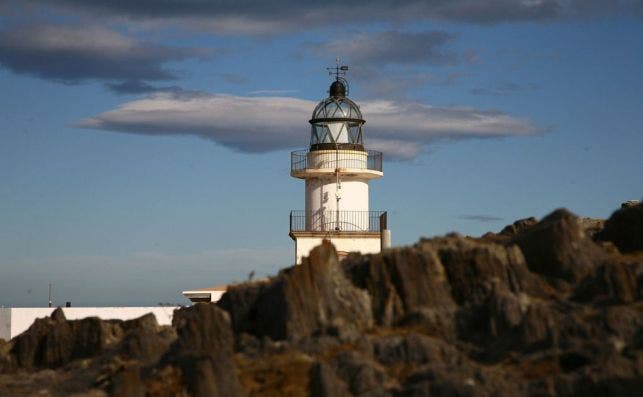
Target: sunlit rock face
<point>549,307</point>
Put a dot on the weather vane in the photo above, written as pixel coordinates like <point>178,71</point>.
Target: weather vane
<point>339,72</point>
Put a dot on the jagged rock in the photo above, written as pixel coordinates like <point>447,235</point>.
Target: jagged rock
<point>518,227</point>
<point>400,281</point>
<point>145,340</point>
<point>312,298</point>
<point>538,328</point>
<point>625,228</point>
<point>5,356</point>
<point>54,341</point>
<point>558,248</point>
<point>472,265</point>
<point>325,383</point>
<point>434,321</point>
<point>611,283</point>
<point>465,379</point>
<point>412,349</point>
<point>166,382</point>
<point>624,324</point>
<point>506,322</point>
<point>362,375</point>
<point>591,226</point>
<point>203,351</point>
<point>128,383</point>
<point>49,342</point>
<point>240,301</point>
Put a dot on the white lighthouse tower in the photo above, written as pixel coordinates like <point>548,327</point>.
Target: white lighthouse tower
<point>336,169</point>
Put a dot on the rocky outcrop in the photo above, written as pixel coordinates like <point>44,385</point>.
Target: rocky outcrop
<point>518,227</point>
<point>203,351</point>
<point>400,282</point>
<point>539,309</point>
<point>311,299</point>
<point>558,249</point>
<point>128,358</point>
<point>54,341</point>
<point>625,228</point>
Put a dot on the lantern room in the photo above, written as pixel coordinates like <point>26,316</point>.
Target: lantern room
<point>336,122</point>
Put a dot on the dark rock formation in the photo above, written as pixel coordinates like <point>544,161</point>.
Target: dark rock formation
<point>54,341</point>
<point>558,249</point>
<point>539,309</point>
<point>518,227</point>
<point>203,351</point>
<point>625,228</point>
<point>325,383</point>
<point>315,298</point>
<point>591,226</point>
<point>400,282</point>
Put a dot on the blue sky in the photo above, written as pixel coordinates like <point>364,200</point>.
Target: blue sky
<point>144,148</point>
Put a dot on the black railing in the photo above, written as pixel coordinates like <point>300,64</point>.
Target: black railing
<point>330,221</point>
<point>371,161</point>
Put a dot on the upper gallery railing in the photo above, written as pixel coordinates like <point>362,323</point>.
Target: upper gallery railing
<point>301,160</point>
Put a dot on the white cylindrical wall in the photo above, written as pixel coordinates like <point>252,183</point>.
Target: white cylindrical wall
<point>322,204</point>
<point>356,159</point>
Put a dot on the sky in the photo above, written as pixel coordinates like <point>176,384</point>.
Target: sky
<point>145,146</point>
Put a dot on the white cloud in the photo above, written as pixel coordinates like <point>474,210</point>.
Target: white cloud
<point>75,53</point>
<point>261,124</point>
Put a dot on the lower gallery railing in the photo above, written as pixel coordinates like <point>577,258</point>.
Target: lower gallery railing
<point>347,221</point>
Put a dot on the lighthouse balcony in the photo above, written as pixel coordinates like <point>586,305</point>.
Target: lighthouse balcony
<point>358,222</point>
<point>365,164</point>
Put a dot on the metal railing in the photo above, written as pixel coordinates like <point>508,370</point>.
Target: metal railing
<point>370,159</point>
<point>348,221</point>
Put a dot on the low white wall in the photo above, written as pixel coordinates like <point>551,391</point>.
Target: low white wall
<point>365,245</point>
<point>16,320</point>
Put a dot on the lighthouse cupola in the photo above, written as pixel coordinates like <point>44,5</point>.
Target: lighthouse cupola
<point>336,169</point>
<point>337,121</point>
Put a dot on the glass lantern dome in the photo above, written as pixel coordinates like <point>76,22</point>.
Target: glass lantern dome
<point>336,122</point>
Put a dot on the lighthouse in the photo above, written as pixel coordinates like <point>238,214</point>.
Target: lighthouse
<point>336,169</point>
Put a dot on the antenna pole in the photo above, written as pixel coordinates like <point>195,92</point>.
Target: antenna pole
<point>50,289</point>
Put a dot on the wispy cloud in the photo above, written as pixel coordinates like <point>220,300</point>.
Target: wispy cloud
<point>261,124</point>
<point>394,84</point>
<point>504,88</point>
<point>480,218</point>
<point>273,92</point>
<point>391,47</point>
<point>392,63</point>
<point>138,87</point>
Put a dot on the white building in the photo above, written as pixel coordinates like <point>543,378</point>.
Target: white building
<point>16,320</point>
<point>336,169</point>
<point>210,294</point>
